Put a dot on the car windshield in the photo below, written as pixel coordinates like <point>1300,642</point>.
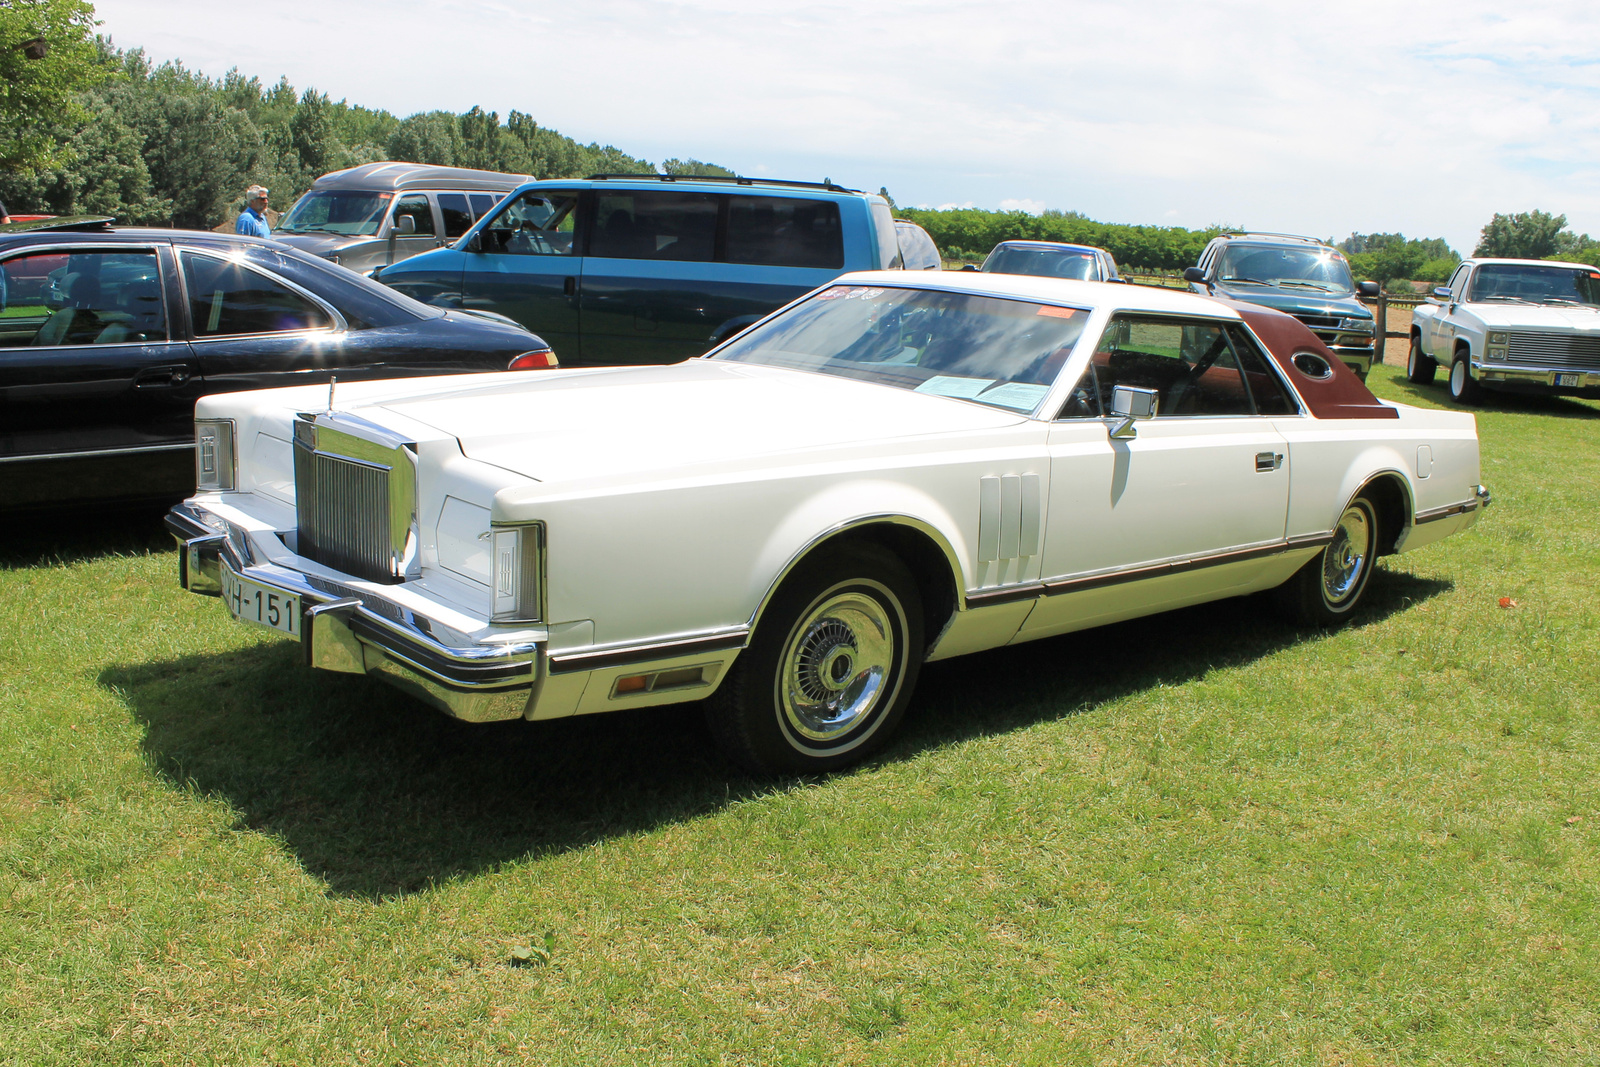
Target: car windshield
<point>1310,267</point>
<point>1529,284</point>
<point>1045,262</point>
<point>336,211</point>
<point>1004,353</point>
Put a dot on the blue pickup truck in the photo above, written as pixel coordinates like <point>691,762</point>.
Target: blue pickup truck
<point>652,269</point>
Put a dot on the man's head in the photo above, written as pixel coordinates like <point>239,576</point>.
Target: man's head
<point>256,197</point>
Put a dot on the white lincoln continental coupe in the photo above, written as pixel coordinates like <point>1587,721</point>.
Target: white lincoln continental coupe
<point>894,469</point>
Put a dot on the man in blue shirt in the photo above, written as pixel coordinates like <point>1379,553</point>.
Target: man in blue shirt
<point>253,219</point>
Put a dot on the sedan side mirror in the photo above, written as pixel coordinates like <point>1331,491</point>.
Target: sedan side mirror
<point>1131,404</point>
<point>1196,275</point>
<point>1368,288</point>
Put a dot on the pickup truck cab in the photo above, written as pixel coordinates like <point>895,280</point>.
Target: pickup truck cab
<point>652,269</point>
<point>1518,325</point>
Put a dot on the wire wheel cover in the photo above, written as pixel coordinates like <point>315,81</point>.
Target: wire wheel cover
<point>837,666</point>
<point>1344,563</point>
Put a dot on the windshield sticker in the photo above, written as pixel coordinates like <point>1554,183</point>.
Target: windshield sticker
<point>1024,396</point>
<point>1051,311</point>
<point>832,293</point>
<point>964,388</point>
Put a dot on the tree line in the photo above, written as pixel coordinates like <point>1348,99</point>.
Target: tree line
<point>163,145</point>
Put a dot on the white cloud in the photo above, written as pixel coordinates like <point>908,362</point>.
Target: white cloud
<point>1249,112</point>
<point>1032,207</point>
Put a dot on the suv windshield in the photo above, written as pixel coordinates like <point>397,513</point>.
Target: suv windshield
<point>1000,352</point>
<point>1308,267</point>
<point>352,213</point>
<point>1528,284</point>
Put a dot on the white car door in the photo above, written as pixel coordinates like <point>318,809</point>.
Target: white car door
<point>1191,506</point>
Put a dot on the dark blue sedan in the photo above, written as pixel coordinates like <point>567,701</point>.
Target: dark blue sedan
<point>108,335</point>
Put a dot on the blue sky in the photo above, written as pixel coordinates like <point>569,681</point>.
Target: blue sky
<point>1424,118</point>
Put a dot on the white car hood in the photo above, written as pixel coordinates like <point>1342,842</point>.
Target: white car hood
<point>1538,317</point>
<point>558,426</point>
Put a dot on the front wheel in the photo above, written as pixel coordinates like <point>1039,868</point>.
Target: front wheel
<point>830,670</point>
<point>1419,366</point>
<point>1464,388</point>
<point>1327,589</point>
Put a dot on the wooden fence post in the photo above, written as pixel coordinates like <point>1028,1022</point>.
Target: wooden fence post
<point>1380,333</point>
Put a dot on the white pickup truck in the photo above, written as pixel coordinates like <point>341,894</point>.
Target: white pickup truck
<point>1519,325</point>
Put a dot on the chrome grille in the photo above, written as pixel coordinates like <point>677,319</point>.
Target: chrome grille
<point>1554,350</point>
<point>354,499</point>
<point>1326,322</point>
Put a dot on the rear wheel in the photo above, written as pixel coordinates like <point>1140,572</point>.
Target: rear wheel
<point>830,670</point>
<point>1327,589</point>
<point>1464,388</point>
<point>1419,366</point>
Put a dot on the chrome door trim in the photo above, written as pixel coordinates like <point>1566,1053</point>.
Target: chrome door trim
<point>1139,572</point>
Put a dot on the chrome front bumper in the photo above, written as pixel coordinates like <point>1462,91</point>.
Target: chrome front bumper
<point>1538,377</point>
<point>352,631</point>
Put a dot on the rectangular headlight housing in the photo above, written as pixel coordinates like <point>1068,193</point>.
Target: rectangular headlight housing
<point>1358,325</point>
<point>215,458</point>
<point>517,581</point>
<point>1498,338</point>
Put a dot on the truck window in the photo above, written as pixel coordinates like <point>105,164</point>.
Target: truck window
<point>785,232</point>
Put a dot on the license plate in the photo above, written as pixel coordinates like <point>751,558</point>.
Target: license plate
<point>261,604</point>
<point>1569,381</point>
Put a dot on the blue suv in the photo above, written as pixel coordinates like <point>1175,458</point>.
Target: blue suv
<point>652,269</point>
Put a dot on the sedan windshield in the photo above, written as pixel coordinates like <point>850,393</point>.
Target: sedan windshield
<point>1319,269</point>
<point>1000,352</point>
<point>351,213</point>
<point>1045,262</point>
<point>1529,284</point>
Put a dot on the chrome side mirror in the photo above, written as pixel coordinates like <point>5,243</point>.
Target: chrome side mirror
<point>1131,404</point>
<point>405,225</point>
<point>1441,292</point>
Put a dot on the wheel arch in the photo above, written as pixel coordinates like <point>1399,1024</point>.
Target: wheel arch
<point>926,552</point>
<point>1391,498</point>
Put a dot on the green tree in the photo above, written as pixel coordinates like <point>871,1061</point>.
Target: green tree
<point>695,168</point>
<point>1527,235</point>
<point>36,93</point>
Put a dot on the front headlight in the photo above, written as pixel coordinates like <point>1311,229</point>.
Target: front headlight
<point>1498,338</point>
<point>518,578</point>
<point>1359,325</point>
<point>214,459</point>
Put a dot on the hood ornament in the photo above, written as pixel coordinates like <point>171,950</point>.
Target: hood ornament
<point>331,383</point>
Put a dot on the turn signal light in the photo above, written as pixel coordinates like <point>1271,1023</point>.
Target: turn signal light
<point>537,359</point>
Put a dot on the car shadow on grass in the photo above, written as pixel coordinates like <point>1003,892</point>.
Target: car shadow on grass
<point>1557,407</point>
<point>378,795</point>
<point>62,536</point>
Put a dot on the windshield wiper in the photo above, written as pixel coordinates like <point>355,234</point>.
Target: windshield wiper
<point>1246,281</point>
<point>1286,283</point>
<point>308,229</point>
<point>1507,299</point>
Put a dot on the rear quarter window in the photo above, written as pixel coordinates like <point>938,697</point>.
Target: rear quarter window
<point>784,232</point>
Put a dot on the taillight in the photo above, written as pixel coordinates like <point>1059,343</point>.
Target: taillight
<point>539,357</point>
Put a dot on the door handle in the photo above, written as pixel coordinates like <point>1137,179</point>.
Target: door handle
<point>161,377</point>
<point>1268,461</point>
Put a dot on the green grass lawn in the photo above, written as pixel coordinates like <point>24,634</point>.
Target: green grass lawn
<point>1202,838</point>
